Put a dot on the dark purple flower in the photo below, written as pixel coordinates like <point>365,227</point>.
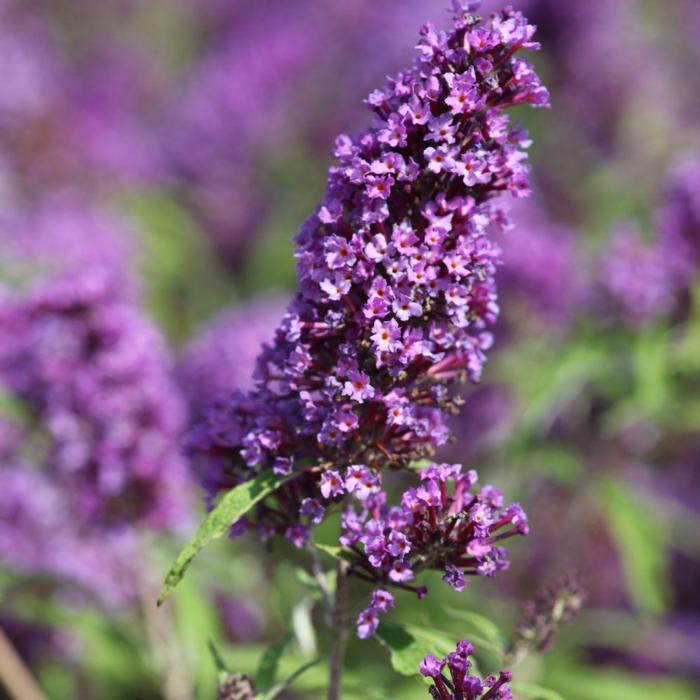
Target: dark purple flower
<point>441,524</point>
<point>459,683</point>
<point>312,509</point>
<point>382,601</point>
<point>544,617</point>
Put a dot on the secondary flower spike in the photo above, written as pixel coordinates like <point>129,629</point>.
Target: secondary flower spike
<point>444,524</point>
<point>396,275</point>
<point>452,679</point>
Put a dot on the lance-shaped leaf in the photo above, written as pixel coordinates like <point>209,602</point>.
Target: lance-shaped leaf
<point>409,644</point>
<point>267,670</point>
<point>235,504</point>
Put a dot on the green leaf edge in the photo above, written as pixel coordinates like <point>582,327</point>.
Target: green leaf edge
<point>233,505</point>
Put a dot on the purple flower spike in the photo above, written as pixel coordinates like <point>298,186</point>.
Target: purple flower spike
<point>396,289</point>
<point>442,524</point>
<point>460,685</point>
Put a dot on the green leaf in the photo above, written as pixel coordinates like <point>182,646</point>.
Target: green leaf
<point>13,408</point>
<point>277,689</point>
<point>218,660</point>
<point>642,538</point>
<point>408,645</point>
<point>479,628</point>
<point>230,508</point>
<point>267,670</point>
<point>651,365</point>
<point>335,551</point>
<point>534,692</point>
<point>420,464</point>
<point>579,682</point>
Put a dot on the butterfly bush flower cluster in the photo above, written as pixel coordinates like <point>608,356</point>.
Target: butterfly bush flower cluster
<point>644,279</point>
<point>452,678</point>
<point>95,377</point>
<point>442,524</point>
<point>396,280</point>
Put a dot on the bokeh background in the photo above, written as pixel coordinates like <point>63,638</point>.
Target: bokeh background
<point>156,159</point>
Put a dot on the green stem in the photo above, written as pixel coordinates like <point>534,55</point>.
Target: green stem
<point>339,630</point>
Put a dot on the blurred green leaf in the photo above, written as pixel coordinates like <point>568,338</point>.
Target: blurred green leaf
<point>303,627</point>
<point>547,383</point>
<point>13,408</point>
<point>335,551</point>
<point>280,687</point>
<point>185,281</point>
<point>585,683</point>
<point>642,542</point>
<point>650,360</point>
<point>479,630</point>
<point>217,658</point>
<point>408,645</point>
<point>534,692</point>
<point>228,510</point>
<point>267,670</point>
<point>420,464</point>
<point>198,630</point>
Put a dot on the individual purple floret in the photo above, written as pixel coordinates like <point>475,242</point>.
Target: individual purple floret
<point>368,620</point>
<point>443,524</point>
<point>221,358</point>
<point>452,680</point>
<point>396,273</point>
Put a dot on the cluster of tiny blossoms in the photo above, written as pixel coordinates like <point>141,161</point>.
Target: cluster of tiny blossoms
<point>94,374</point>
<point>461,685</point>
<point>396,272</point>
<point>442,524</point>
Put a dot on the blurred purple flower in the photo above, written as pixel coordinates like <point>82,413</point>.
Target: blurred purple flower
<point>637,277</point>
<point>221,358</point>
<point>115,99</point>
<point>94,372</point>
<point>40,535</point>
<point>233,111</point>
<point>542,269</point>
<point>241,618</point>
<point>678,219</point>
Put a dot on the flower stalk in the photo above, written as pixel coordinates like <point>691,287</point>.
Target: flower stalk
<point>339,630</point>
